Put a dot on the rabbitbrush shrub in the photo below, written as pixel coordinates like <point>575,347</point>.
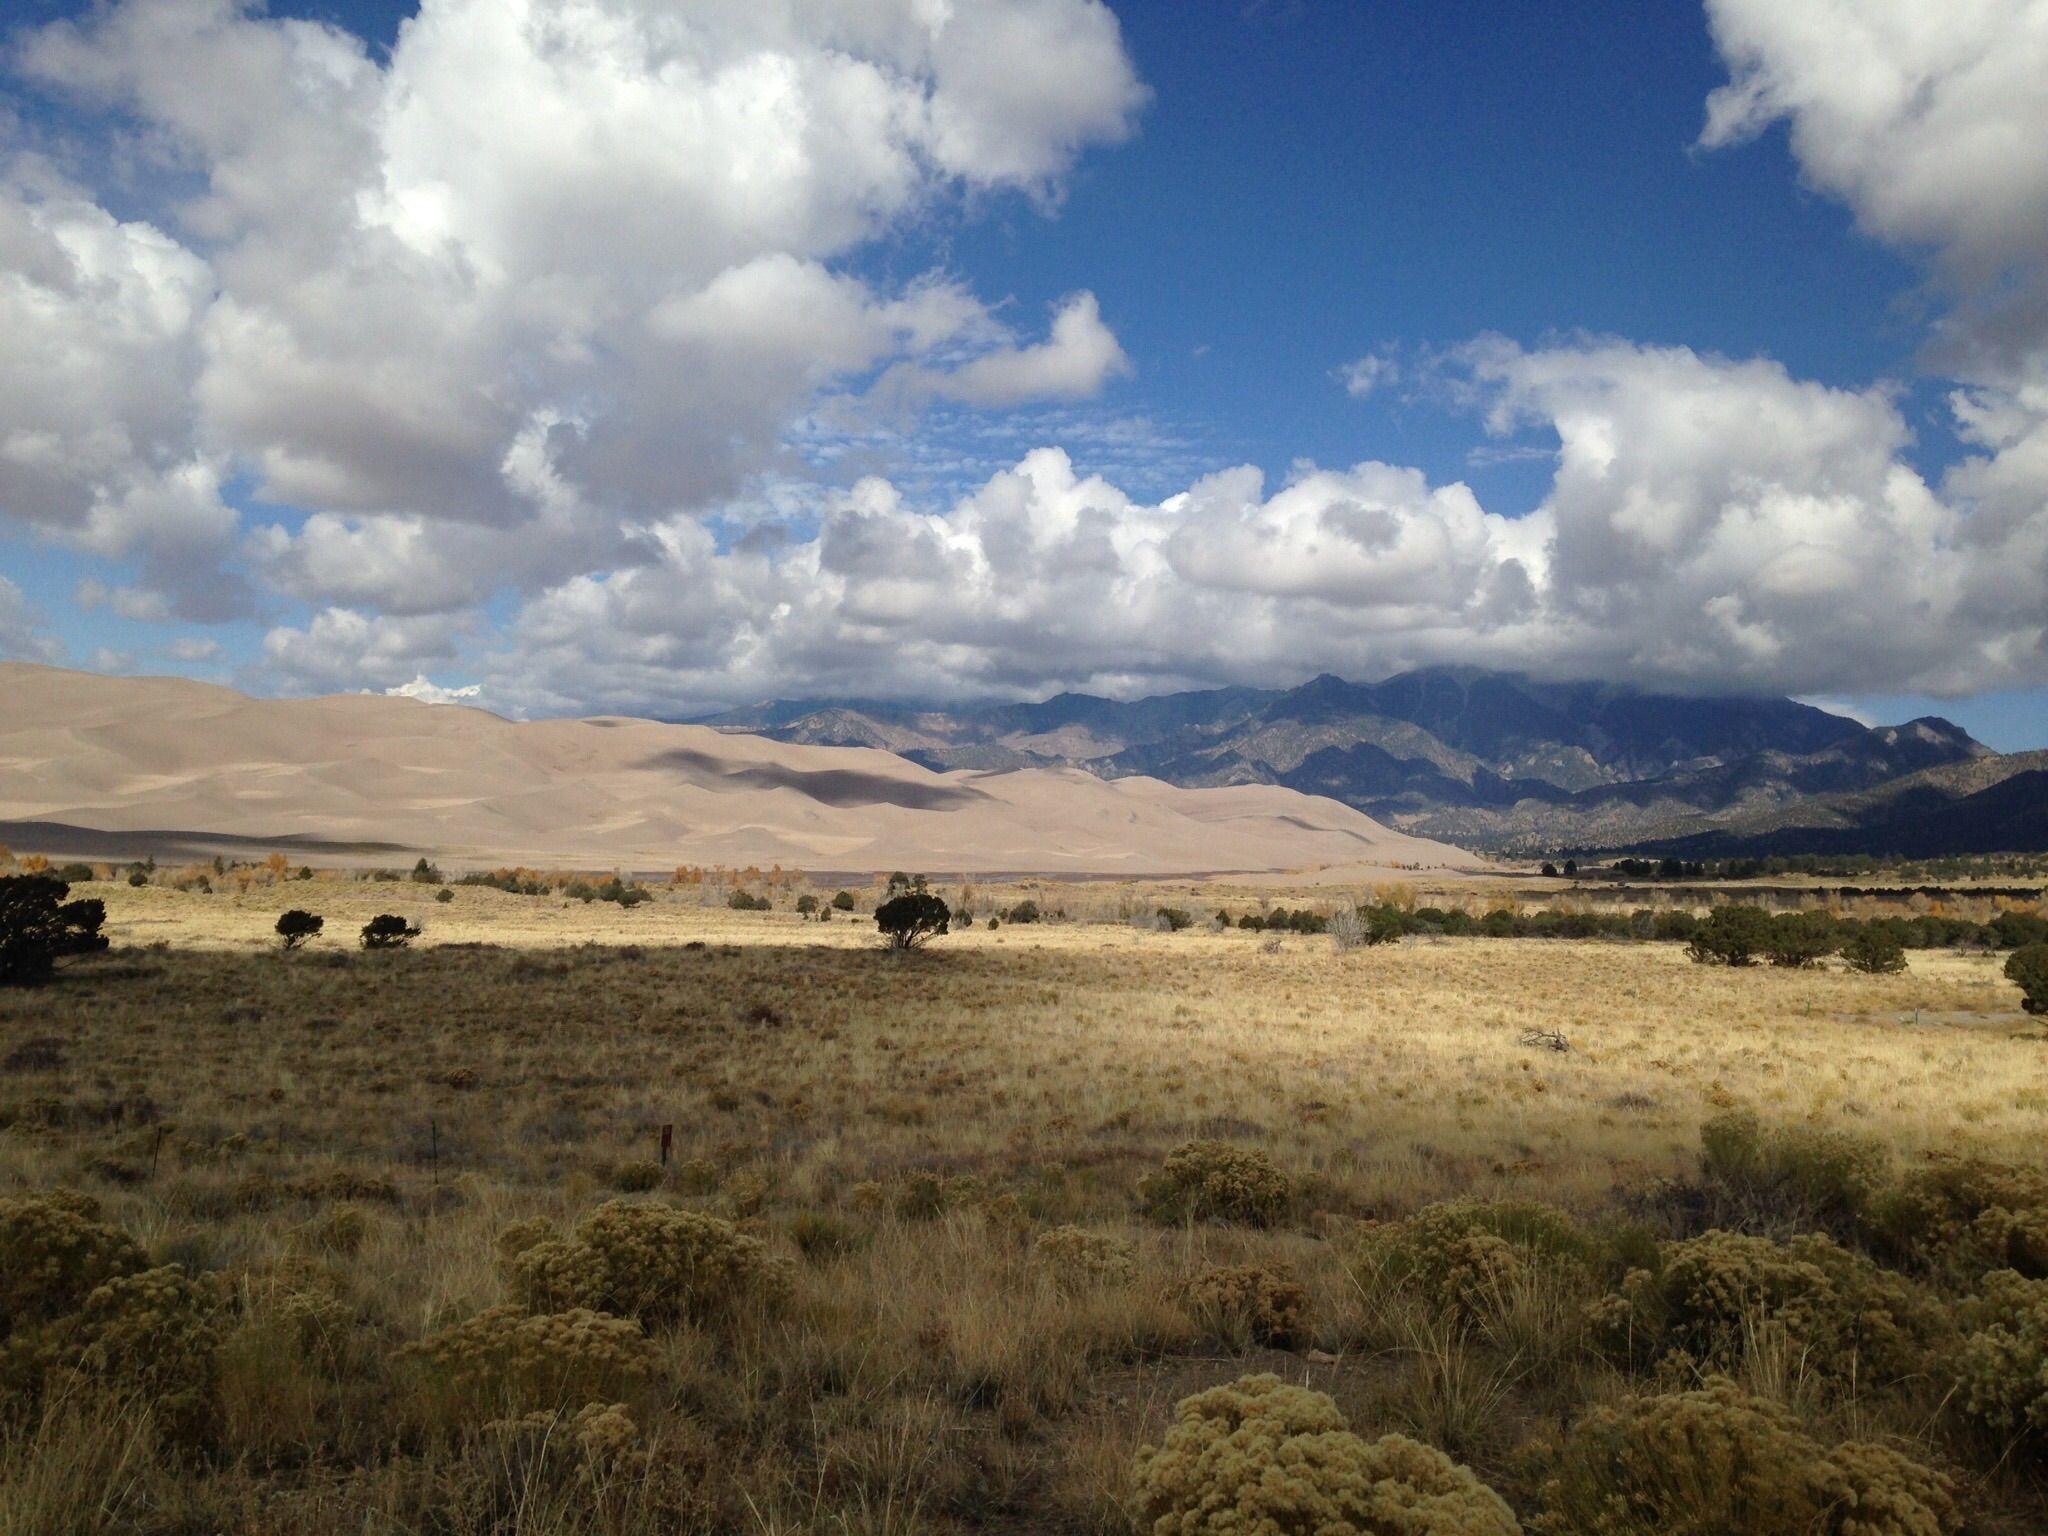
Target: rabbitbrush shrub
<point>1262,1458</point>
<point>1079,1260</point>
<point>54,1253</point>
<point>1719,1295</point>
<point>1964,1216</point>
<point>1465,1256</point>
<point>653,1262</point>
<point>1214,1181</point>
<point>1261,1302</point>
<point>509,1360</point>
<point>2004,1370</point>
<point>1719,1462</point>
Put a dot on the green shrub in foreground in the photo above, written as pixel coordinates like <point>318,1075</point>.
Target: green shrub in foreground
<point>1263,1458</point>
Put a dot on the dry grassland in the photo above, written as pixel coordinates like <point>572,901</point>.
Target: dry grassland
<point>899,1131</point>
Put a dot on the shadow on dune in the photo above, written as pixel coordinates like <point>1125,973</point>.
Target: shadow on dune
<point>841,788</point>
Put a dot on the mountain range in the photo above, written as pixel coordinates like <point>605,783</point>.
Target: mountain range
<point>1502,761</point>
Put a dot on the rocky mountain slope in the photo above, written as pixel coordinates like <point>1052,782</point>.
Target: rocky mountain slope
<point>1493,760</point>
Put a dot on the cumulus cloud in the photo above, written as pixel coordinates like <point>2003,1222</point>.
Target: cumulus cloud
<point>340,650</point>
<point>559,296</point>
<point>1930,126</point>
<point>1711,523</point>
<point>553,267</point>
<point>1927,121</point>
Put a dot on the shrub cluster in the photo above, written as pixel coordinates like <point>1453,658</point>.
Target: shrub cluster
<point>1956,1217</point>
<point>1263,1303</point>
<point>79,1306</point>
<point>1079,1260</point>
<point>2004,1367</point>
<point>1465,1257</point>
<point>509,1360</point>
<point>1722,1461</point>
<point>613,889</point>
<point>1743,937</point>
<point>1260,1456</point>
<point>1215,1181</point>
<point>1280,920</point>
<point>1719,1296</point>
<point>653,1262</point>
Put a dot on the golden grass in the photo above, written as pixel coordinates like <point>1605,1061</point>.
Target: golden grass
<point>903,1126</point>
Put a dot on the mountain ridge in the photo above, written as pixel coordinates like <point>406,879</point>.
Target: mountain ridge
<point>1494,760</point>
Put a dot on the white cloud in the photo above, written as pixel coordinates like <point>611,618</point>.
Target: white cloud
<point>1931,123</point>
<point>340,650</point>
<point>1711,523</point>
<point>1926,119</point>
<point>429,692</point>
<point>609,224</point>
<point>1073,363</point>
<point>97,445</point>
<point>522,303</point>
<point>1375,371</point>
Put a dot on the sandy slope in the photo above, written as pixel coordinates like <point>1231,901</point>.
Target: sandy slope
<point>165,755</point>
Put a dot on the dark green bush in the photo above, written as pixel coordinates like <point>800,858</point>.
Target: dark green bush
<point>387,930</point>
<point>38,927</point>
<point>1675,927</point>
<point>296,927</point>
<point>2017,930</point>
<point>1731,935</point>
<point>2028,970</point>
<point>1801,939</point>
<point>1874,951</point>
<point>911,919</point>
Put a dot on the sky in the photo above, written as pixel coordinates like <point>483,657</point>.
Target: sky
<point>614,355</point>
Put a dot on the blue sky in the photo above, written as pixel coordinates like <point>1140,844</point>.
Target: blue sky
<point>1509,211</point>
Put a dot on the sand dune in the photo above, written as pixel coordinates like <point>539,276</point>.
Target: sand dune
<point>120,767</point>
